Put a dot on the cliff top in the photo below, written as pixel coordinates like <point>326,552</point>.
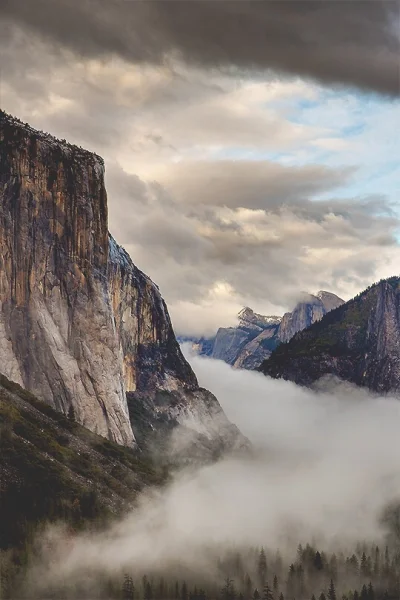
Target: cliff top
<point>13,124</point>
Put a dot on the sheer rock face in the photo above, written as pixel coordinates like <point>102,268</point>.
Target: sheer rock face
<point>235,345</point>
<point>80,325</point>
<point>228,343</point>
<point>57,320</point>
<point>305,313</point>
<point>358,342</point>
<point>151,355</point>
<point>257,350</point>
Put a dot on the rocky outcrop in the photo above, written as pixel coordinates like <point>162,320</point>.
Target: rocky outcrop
<point>250,320</point>
<point>256,336</point>
<point>231,344</point>
<point>357,342</point>
<point>308,311</point>
<point>228,343</point>
<point>258,349</point>
<point>80,325</point>
<point>330,301</point>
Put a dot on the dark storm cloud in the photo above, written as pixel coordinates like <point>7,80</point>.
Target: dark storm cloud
<point>351,43</point>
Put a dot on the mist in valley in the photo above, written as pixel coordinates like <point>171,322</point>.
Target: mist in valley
<point>324,466</point>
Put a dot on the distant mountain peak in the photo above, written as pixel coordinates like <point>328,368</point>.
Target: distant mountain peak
<point>329,300</point>
<point>247,316</point>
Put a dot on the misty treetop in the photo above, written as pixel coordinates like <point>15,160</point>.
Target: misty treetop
<point>368,573</point>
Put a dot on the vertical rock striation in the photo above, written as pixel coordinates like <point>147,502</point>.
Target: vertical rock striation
<point>57,325</point>
<point>80,325</point>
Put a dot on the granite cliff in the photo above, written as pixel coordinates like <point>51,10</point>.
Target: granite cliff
<point>358,342</point>
<point>306,312</point>
<point>80,326</point>
<point>256,336</point>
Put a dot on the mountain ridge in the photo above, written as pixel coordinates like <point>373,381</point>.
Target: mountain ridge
<point>248,344</point>
<point>358,341</point>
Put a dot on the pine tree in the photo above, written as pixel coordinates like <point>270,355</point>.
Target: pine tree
<point>322,596</point>
<point>333,567</point>
<point>267,592</point>
<point>148,591</point>
<point>275,585</point>
<point>184,591</point>
<point>161,589</point>
<point>387,562</point>
<point>371,592</point>
<point>299,553</point>
<point>291,581</point>
<point>364,565</point>
<point>331,591</point>
<point>128,590</point>
<point>262,567</point>
<point>318,564</point>
<point>228,592</point>
<point>353,564</point>
<point>248,586</point>
<point>377,562</point>
<point>300,580</point>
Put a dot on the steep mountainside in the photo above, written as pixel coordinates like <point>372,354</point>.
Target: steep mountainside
<point>358,342</point>
<point>52,468</point>
<point>256,336</point>
<point>80,325</point>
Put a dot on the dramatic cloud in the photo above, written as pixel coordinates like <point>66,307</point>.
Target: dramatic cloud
<point>217,248</point>
<point>352,43</point>
<point>228,184</point>
<point>306,481</point>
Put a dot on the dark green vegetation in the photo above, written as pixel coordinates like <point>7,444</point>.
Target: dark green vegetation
<point>367,573</point>
<point>54,469</point>
<point>357,342</point>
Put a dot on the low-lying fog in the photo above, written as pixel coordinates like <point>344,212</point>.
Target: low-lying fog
<point>326,464</point>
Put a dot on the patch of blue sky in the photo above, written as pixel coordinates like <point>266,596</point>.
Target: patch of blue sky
<point>238,153</point>
<point>363,129</point>
<point>353,130</point>
<point>345,112</point>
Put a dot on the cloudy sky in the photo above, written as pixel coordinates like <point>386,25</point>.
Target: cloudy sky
<point>251,147</point>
